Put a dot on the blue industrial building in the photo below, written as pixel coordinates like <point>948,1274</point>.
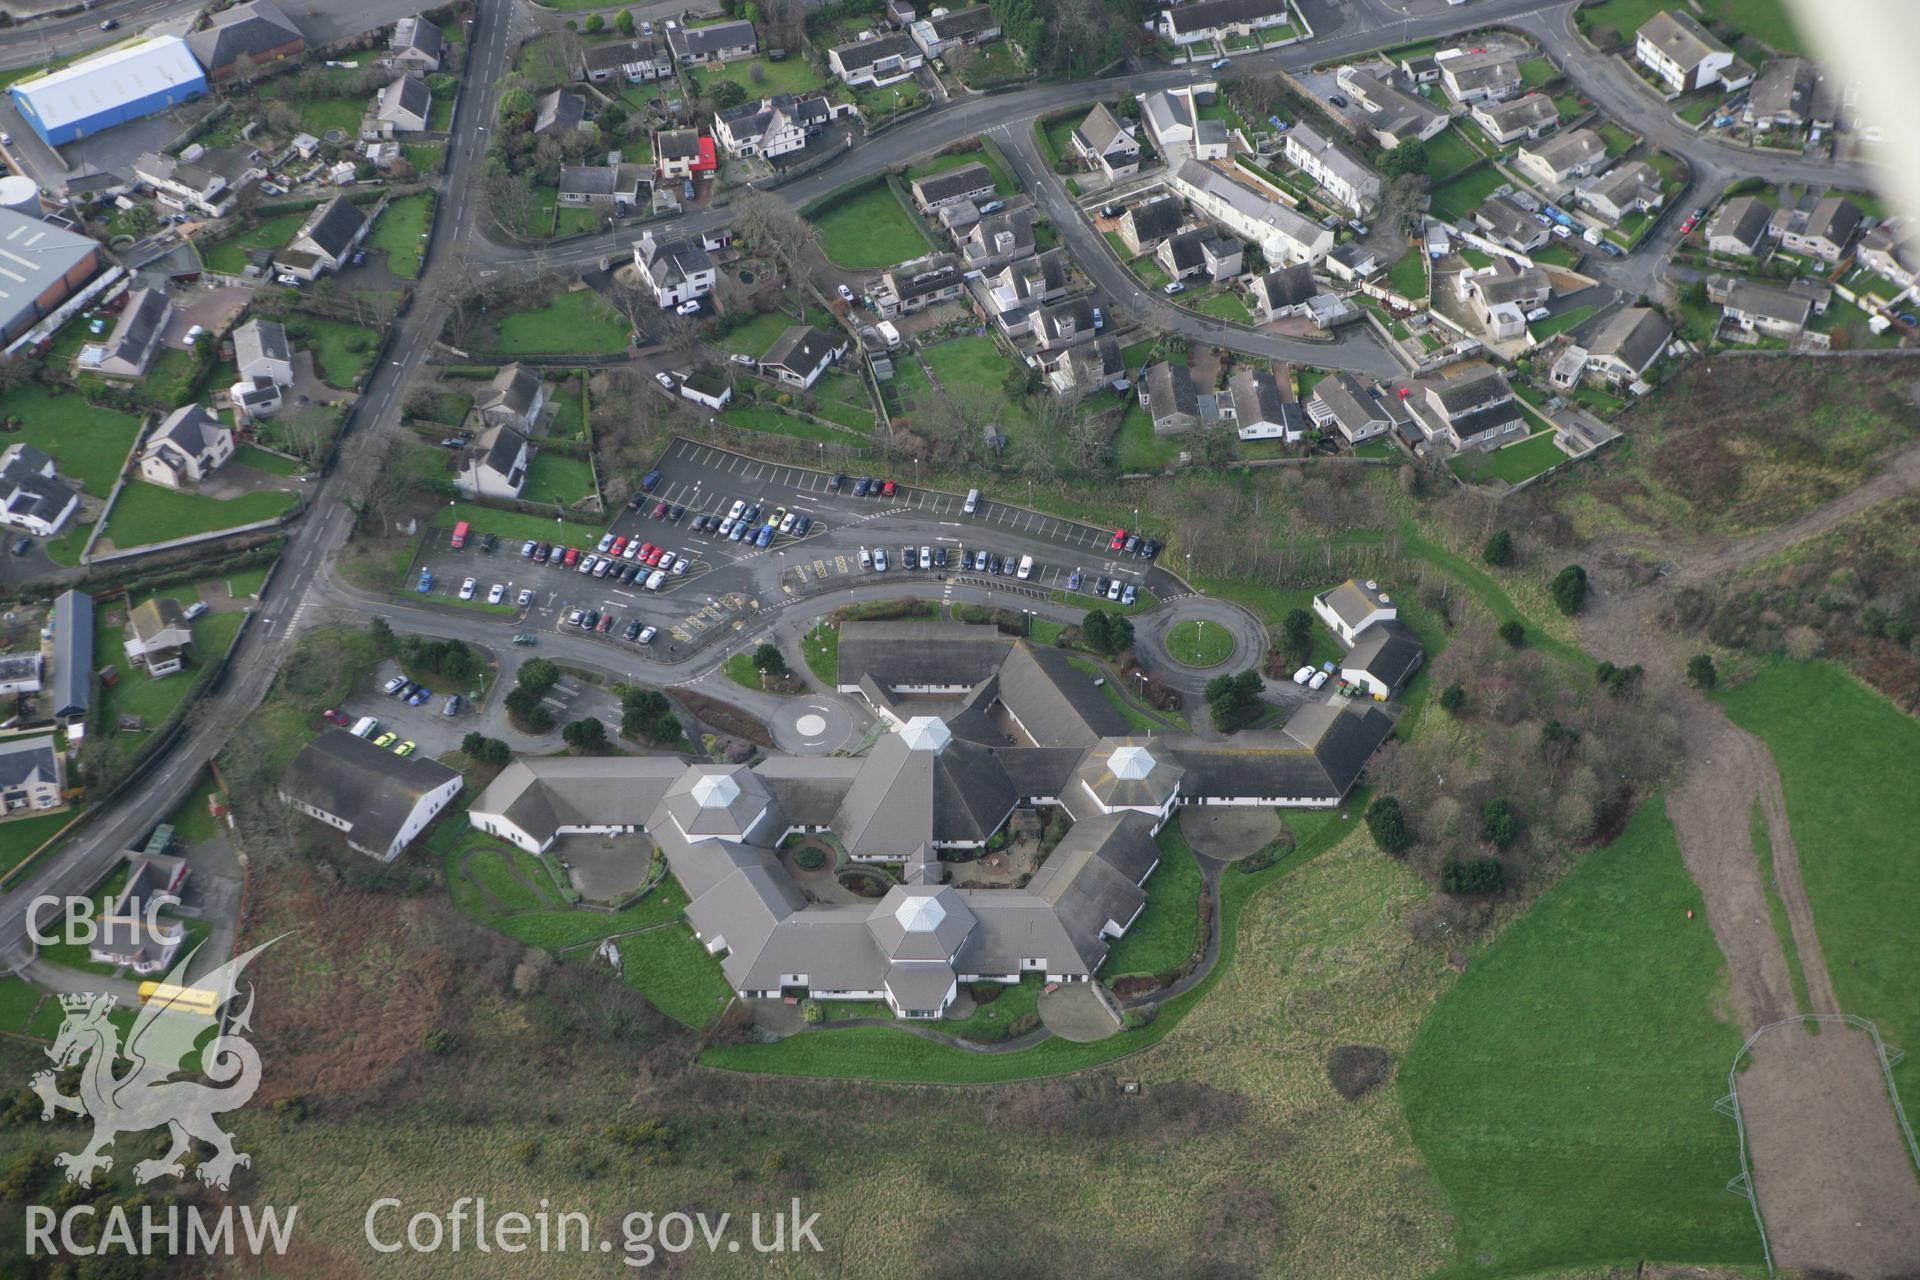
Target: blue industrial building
<point>111,88</point>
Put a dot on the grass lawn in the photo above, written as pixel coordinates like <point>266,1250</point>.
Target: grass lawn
<point>274,232</point>
<point>147,513</point>
<point>822,647</point>
<point>761,78</point>
<point>514,526</point>
<point>342,352</point>
<point>1535,72</point>
<point>740,670</point>
<point>1559,323</point>
<point>1514,463</point>
<point>1195,644</point>
<point>1619,141</point>
<point>571,220</point>
<point>992,64</point>
<point>272,463</point>
<point>754,336</point>
<point>674,972</point>
<point>1764,20</point>
<point>1562,1091</point>
<point>87,443</point>
<point>841,398</point>
<point>19,837</point>
<point>1448,153</point>
<point>402,233</point>
<point>138,694</point>
<point>320,115</point>
<point>1408,276</point>
<point>1169,928</point>
<point>1002,176</point>
<point>773,421</point>
<point>868,230</point>
<point>1845,758</point>
<point>1457,198</point>
<point>1225,305</point>
<point>558,478</point>
<point>1137,448</point>
<point>974,370</point>
<point>576,321</point>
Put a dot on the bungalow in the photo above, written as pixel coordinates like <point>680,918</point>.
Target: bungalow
<point>1145,224</point>
<point>1168,395</point>
<point>942,32</point>
<point>1740,229</point>
<point>1393,115</point>
<point>1562,158</point>
<point>158,636</point>
<point>1351,261</point>
<point>1475,410</point>
<point>1354,408</point>
<point>1264,407</point>
<point>1526,117</point>
<point>189,445</point>
<point>1890,253</point>
<point>1763,309</point>
<point>495,464</point>
<point>131,933</point>
<point>641,61</point>
<point>1202,252</point>
<point>378,800</point>
<point>325,241</point>
<point>917,285</point>
<point>30,778</point>
<point>1088,366</point>
<point>1421,68</point>
<point>261,350</point>
<point>244,39</point>
<point>1504,222</point>
<point>876,61</point>
<point>1353,608</point>
<point>1282,234</point>
<point>1489,75</point>
<point>405,106</point>
<point>801,355</point>
<point>514,397</point>
<point>776,126</point>
<point>1173,121</point>
<point>129,350</point>
<point>1824,232</point>
<point>1625,189</point>
<point>1783,95</point>
<point>720,42</point>
<point>936,191</point>
<point>1675,47</point>
<point>1217,21</point>
<point>1106,143</point>
<point>678,270</point>
<point>606,187</point>
<point>1343,175</point>
<point>993,242</point>
<point>707,389</point>
<point>558,112</point>
<point>32,497</point>
<point>417,45</point>
<point>1628,344</point>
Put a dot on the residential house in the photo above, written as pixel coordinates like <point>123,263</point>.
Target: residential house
<point>1353,608</point>
<point>205,185</point>
<point>1501,295</point>
<point>1783,95</point>
<point>1475,410</point>
<point>261,350</point>
<point>1625,189</point>
<point>158,636</point>
<point>379,800</point>
<point>30,775</point>
<point>1569,368</point>
<point>129,350</point>
<point>1353,407</point>
<point>1168,395</point>
<point>1282,234</point>
<point>1065,324</point>
<point>1674,46</point>
<point>922,283</point>
<point>130,933</point>
<point>558,112</point>
<point>1218,21</point>
<point>899,15</point>
<point>1628,344</point>
<point>720,42</point>
<point>1339,172</point>
<point>1352,260</point>
<point>1394,115</point>
<point>1173,121</point>
<point>682,153</point>
<point>1107,143</point>
<point>255,398</point>
<point>1516,118</point>
<point>1146,224</point>
<point>246,38</point>
<point>1768,311</point>
<point>20,673</point>
<point>940,33</point>
<point>801,355</point>
<point>404,106</point>
<point>1740,229</point>
<point>1489,75</point>
<point>1560,159</point>
<point>1088,366</point>
<point>611,188</point>
<point>1282,293</point>
<point>72,627</point>
<point>1023,287</point>
<point>706,388</point>
<point>679,270</point>
<point>1824,232</point>
<point>189,445</point>
<point>950,186</point>
<point>776,126</point>
<point>495,464</point>
<point>33,498</point>
<point>640,61</point>
<point>1421,68</point>
<point>874,61</point>
<point>993,242</point>
<point>1889,252</point>
<point>417,45</point>
<point>325,241</point>
<point>1504,222</point>
<point>1201,252</point>
<point>1264,407</point>
<point>1383,659</point>
<point>514,397</point>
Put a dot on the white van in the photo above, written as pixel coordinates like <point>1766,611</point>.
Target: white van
<point>973,501</point>
<point>1592,235</point>
<point>365,727</point>
<point>1026,567</point>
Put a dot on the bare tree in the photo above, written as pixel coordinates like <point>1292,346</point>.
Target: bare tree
<point>772,228</point>
<point>784,22</point>
<point>308,430</point>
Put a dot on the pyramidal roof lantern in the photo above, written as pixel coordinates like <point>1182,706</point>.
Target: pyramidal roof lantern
<point>920,913</point>
<point>1130,762</point>
<point>926,733</point>
<point>716,791</point>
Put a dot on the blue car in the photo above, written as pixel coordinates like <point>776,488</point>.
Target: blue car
<point>652,479</point>
<point>426,581</point>
<point>739,531</point>
<point>766,536</point>
<point>420,697</point>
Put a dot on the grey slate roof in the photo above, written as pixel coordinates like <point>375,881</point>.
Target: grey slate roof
<point>920,654</point>
<point>1100,128</point>
<point>1155,218</point>
<point>25,488</point>
<point>260,340</point>
<point>559,110</point>
<point>1387,651</point>
<point>28,760</point>
<point>699,42</point>
<point>369,787</point>
<point>186,427</point>
<point>856,55</point>
<point>334,225</point>
<point>951,184</point>
<point>1054,701</point>
<point>246,30</point>
<point>1170,391</point>
<point>138,327</point>
<point>1744,219</point>
<point>513,388</point>
<point>800,348</point>
<point>1287,287</point>
<point>72,654</point>
<point>1209,14</point>
<point>544,794</point>
<point>1633,335</point>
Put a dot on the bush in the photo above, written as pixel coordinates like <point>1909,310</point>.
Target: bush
<point>811,858</point>
<point>1499,549</point>
<point>1473,875</point>
<point>538,675</point>
<point>1234,701</point>
<point>588,736</point>
<point>1701,673</point>
<point>1388,825</point>
<point>1355,1070</point>
<point>1105,632</point>
<point>1409,157</point>
<point>1452,698</point>
<point>1297,630</point>
<point>484,750</point>
<point>1512,632</point>
<point>1570,589</point>
<point>1499,825</point>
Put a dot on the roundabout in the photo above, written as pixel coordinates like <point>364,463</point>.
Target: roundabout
<point>813,726</point>
<point>1195,643</point>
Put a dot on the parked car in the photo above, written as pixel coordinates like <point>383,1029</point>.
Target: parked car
<point>453,705</point>
<point>652,479</point>
<point>420,696</point>
<point>1149,549</point>
<point>466,589</point>
<point>1127,594</point>
<point>879,559</point>
<point>1073,580</point>
<point>664,379</point>
<point>1319,680</point>
<point>1359,227</point>
<point>992,206</point>
<point>406,748</point>
<point>801,526</point>
<point>1172,287</point>
<point>1132,544</point>
<point>846,295</point>
<point>765,537</point>
<point>386,739</point>
<point>332,716</point>
<point>574,616</point>
<point>195,611</point>
<point>1113,589</point>
<point>1303,675</point>
<point>741,358</point>
<point>426,582</point>
<point>633,629</point>
<point>590,620</point>
<point>525,598</point>
<point>654,580</point>
<point>861,486</point>
<point>606,541</point>
<point>659,510</point>
<point>691,307</point>
<point>1218,64</point>
<point>752,514</point>
<point>835,480</point>
<point>939,557</point>
<point>786,521</point>
<point>606,624</point>
<point>1112,210</point>
<point>886,488</point>
<point>394,685</point>
<point>1538,313</point>
<point>680,565</point>
<point>496,593</point>
<point>675,512</point>
<point>1119,540</point>
<point>866,558</point>
<point>1337,100</point>
<point>526,549</point>
<point>647,634</point>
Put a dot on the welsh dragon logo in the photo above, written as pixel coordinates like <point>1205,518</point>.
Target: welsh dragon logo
<point>145,1096</point>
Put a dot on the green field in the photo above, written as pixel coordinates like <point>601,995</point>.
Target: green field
<point>578,321</point>
<point>139,694</point>
<point>1225,305</point>
<point>761,78</point>
<point>1168,930</point>
<point>822,647</point>
<point>1764,20</point>
<point>1195,644</point>
<point>1458,198</point>
<point>1846,765</point>
<point>974,370</point>
<point>1448,152</point>
<point>401,233</point>
<point>271,232</point>
<point>1562,1091</point>
<point>146,513</point>
<point>88,444</point>
<point>1408,276</point>
<point>272,463</point>
<point>19,837</point>
<point>1514,463</point>
<point>558,478</point>
<point>515,526</point>
<point>777,422</point>
<point>318,116</point>
<point>869,230</point>
<point>342,352</point>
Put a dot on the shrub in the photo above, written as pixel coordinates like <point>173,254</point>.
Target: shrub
<point>1452,698</point>
<point>1234,701</point>
<point>1701,673</point>
<point>1355,1070</point>
<point>986,992</point>
<point>1512,632</point>
<point>1570,589</point>
<point>1473,875</point>
<point>538,675</point>
<point>588,735</point>
<point>1105,632</point>
<point>1409,157</point>
<point>1388,825</point>
<point>1499,549</point>
<point>810,858</point>
<point>768,661</point>
<point>1499,825</point>
<point>439,1042</point>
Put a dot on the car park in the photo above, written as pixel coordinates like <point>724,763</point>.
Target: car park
<point>861,486</point>
<point>879,559</point>
<point>886,488</point>
<point>496,593</point>
<point>680,565</point>
<point>1303,675</point>
<point>606,624</point>
<point>466,589</point>
<point>526,549</point>
<point>1119,540</point>
<point>453,705</point>
<point>654,580</point>
<point>765,537</point>
<point>606,541</point>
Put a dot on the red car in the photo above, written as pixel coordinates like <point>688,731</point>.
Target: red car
<point>653,556</point>
<point>646,549</point>
<point>1119,540</point>
<point>886,490</point>
<point>659,509</point>
<point>571,558</point>
<point>338,717</point>
<point>619,545</point>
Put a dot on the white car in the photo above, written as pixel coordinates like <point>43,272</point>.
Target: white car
<point>739,505</point>
<point>691,307</point>
<point>846,294</point>
<point>394,685</point>
<point>586,564</point>
<point>466,589</point>
<point>646,635</point>
<point>496,593</point>
<point>680,566</point>
<point>526,597</point>
<point>193,336</point>
<point>1172,287</point>
<point>574,616</point>
<point>606,540</point>
<point>1303,675</point>
<point>664,380</point>
<point>866,558</point>
<point>786,522</point>
<point>1537,314</point>
<point>1113,591</point>
<point>1319,680</point>
<point>655,578</point>
<point>880,560</point>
